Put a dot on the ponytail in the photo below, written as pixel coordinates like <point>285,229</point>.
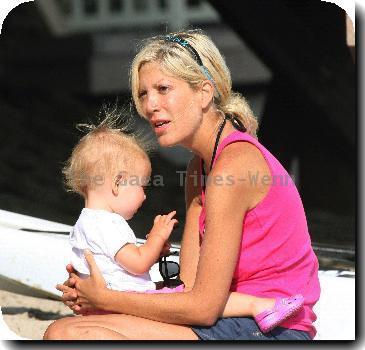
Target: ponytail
<point>237,105</point>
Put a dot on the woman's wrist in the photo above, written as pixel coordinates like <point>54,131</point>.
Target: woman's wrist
<point>103,301</point>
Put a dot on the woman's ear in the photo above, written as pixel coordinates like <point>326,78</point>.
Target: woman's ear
<point>207,90</point>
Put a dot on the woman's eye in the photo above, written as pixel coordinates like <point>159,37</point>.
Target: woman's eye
<point>163,89</point>
<point>142,94</point>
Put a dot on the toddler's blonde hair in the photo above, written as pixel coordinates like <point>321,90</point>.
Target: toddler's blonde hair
<point>178,61</point>
<point>106,149</point>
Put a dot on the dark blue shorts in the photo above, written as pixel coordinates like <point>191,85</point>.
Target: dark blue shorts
<point>244,328</point>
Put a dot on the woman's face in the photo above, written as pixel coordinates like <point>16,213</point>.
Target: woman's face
<point>172,107</point>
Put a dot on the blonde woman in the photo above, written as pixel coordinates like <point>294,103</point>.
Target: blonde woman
<point>241,234</point>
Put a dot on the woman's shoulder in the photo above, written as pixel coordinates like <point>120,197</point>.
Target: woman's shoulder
<point>241,156</point>
<point>237,164</point>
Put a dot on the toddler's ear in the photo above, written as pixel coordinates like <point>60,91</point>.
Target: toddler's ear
<point>119,180</point>
<point>115,188</point>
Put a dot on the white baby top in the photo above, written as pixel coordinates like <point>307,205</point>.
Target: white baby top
<point>104,233</point>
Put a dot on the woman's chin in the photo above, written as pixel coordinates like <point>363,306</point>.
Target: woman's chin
<point>165,141</point>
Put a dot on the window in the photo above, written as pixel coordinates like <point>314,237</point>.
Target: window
<point>64,6</point>
<point>115,5</point>
<point>194,3</point>
<point>90,7</point>
<point>140,5</point>
<point>162,4</point>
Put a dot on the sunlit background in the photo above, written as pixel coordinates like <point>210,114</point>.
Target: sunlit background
<point>60,60</point>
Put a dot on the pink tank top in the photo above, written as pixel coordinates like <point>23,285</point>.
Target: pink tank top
<point>276,258</point>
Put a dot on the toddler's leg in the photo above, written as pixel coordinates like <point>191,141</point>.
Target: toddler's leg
<point>164,290</point>
<point>283,309</point>
<point>267,312</point>
<point>239,305</point>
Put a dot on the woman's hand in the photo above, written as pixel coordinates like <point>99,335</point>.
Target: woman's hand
<point>69,295</point>
<point>90,291</point>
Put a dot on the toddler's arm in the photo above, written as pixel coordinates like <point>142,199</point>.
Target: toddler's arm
<point>139,259</point>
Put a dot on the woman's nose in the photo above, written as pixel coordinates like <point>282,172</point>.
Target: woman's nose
<point>152,103</point>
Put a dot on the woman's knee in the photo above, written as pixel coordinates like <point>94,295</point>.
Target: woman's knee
<point>60,330</point>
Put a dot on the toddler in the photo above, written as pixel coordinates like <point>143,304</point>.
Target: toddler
<point>109,169</point>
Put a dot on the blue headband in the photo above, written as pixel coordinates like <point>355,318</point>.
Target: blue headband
<point>194,54</point>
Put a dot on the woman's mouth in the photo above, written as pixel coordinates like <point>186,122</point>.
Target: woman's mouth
<point>161,126</point>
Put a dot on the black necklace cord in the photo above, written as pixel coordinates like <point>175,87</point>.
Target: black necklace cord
<point>237,124</point>
<point>217,141</point>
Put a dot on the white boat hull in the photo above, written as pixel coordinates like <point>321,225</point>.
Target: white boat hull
<point>32,263</point>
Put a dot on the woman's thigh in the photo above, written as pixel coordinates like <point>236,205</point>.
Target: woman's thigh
<point>128,327</point>
<point>245,328</point>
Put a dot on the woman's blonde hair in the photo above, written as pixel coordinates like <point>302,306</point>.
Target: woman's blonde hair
<point>175,59</point>
<point>106,149</point>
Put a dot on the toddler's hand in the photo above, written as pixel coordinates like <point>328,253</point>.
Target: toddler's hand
<point>163,225</point>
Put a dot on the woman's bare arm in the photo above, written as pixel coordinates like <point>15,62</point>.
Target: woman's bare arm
<point>226,206</point>
<point>189,252</point>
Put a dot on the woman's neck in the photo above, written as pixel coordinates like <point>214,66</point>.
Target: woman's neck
<point>203,141</point>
